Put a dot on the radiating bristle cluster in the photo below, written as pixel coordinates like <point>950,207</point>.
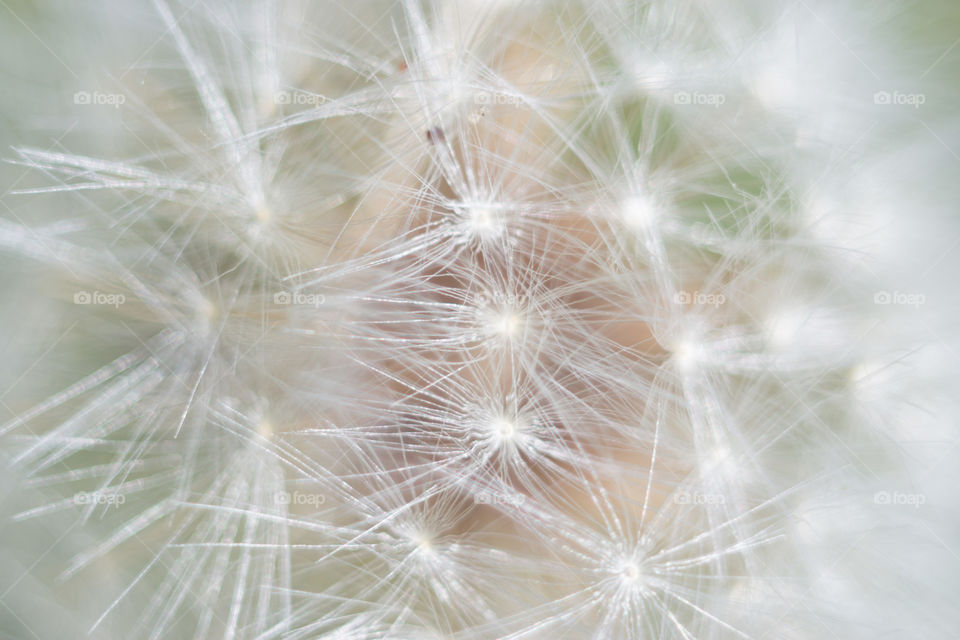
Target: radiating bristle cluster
<point>470,320</point>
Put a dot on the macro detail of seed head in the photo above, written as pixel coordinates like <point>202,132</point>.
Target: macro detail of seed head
<point>463,319</point>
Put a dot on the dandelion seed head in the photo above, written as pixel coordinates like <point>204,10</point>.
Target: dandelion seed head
<point>631,574</point>
<point>781,327</point>
<point>498,427</point>
<point>259,227</point>
<point>265,429</point>
<point>626,571</point>
<point>505,429</point>
<point>720,465</point>
<point>864,374</point>
<point>651,74</point>
<point>688,353</point>
<point>482,221</point>
<point>424,542</point>
<point>208,313</point>
<point>774,87</point>
<point>502,421</point>
<point>504,322</point>
<point>639,212</point>
<point>263,214</point>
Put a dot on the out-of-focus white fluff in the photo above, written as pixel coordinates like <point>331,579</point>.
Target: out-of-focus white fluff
<point>612,319</point>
